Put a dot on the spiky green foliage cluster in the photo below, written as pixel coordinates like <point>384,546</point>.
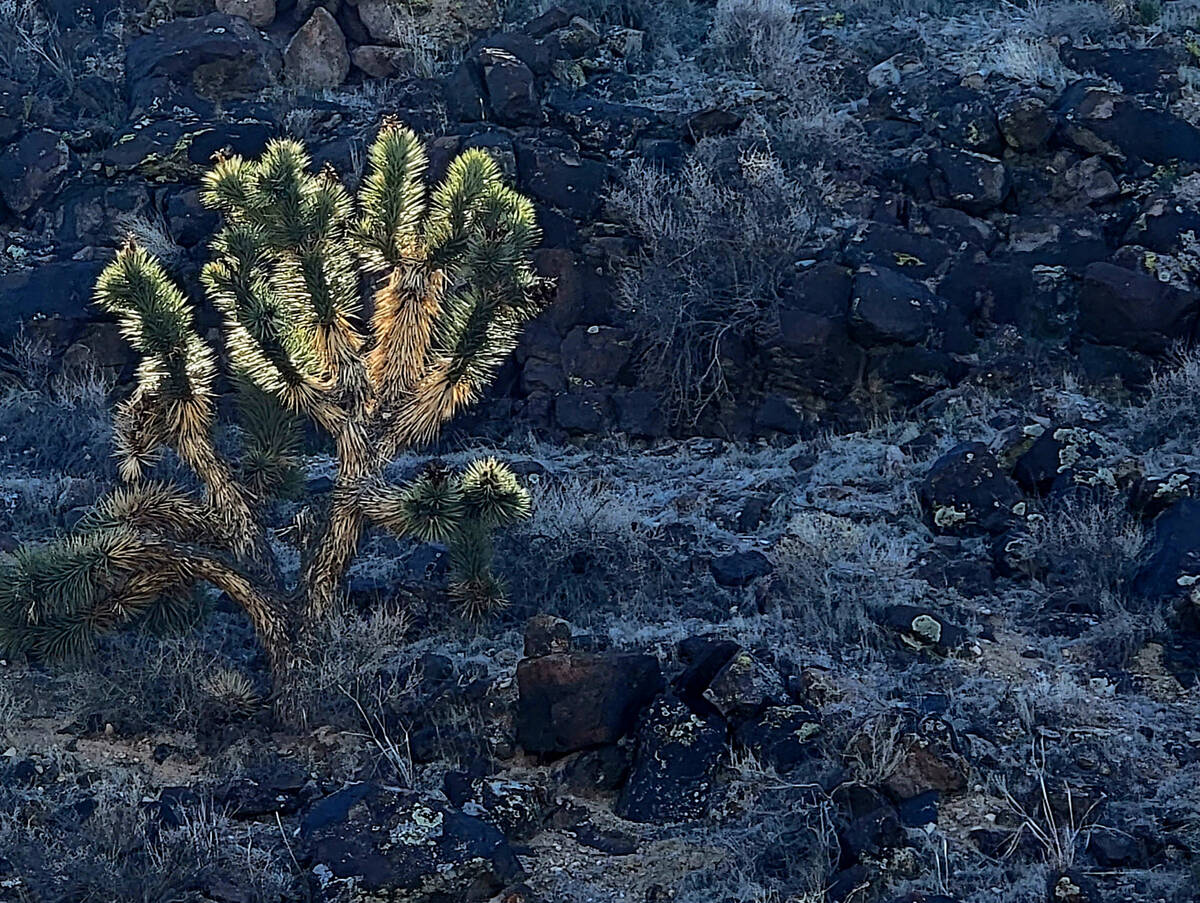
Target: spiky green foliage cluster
<point>448,270</point>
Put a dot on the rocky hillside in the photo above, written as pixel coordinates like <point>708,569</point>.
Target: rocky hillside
<point>862,431</point>
<point>760,217</point>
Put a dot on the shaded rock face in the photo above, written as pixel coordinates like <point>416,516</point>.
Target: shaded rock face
<point>31,169</point>
<point>1171,567</point>
<point>199,61</point>
<point>1123,307</point>
<point>380,843</point>
<point>571,701</point>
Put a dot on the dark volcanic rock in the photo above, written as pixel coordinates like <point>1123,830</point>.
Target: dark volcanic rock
<point>509,83</point>
<point>514,808</point>
<point>781,736</point>
<point>1160,225</point>
<point>966,491</point>
<point>595,353</point>
<point>866,823</point>
<point>61,290</point>
<point>1101,122</point>
<point>1147,70</point>
<point>198,61</point>
<point>316,57</point>
<point>32,168</point>
<point>674,766</point>
<point>974,182</point>
<point>641,413</point>
<point>1051,462</point>
<point>546,634</point>
<point>570,701</point>
<point>1171,561</point>
<point>889,307</point>
<point>605,126</point>
<point>393,844</point>
<point>1027,123</point>
<point>916,256</point>
<point>740,568</point>
<point>744,686</point>
<point>583,412</point>
<point>561,178</point>
<point>1123,307</point>
<point>921,628</point>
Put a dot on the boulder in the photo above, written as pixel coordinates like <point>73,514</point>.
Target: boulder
<point>971,181</point>
<point>511,93</point>
<point>259,13</point>
<point>377,61</point>
<point>583,412</point>
<point>570,701</point>
<point>316,57</point>
<point>887,306</point>
<point>32,169</point>
<point>574,39</point>
<point>743,687</point>
<point>60,291</point>
<point>602,125</point>
<point>546,635</point>
<point>195,62</point>
<point>674,765</point>
<point>781,736</point>
<point>1170,566</point>
<point>1118,306</point>
<point>641,413</point>
<point>385,843</point>
<point>1098,121</point>
<point>866,823</point>
<point>1091,181</point>
<point>1050,463</point>
<point>444,23</point>
<point>595,354</point>
<point>1142,70</point>
<point>919,628</point>
<point>739,569</point>
<point>1027,123</point>
<point>516,809</point>
<point>812,353</point>
<point>916,256</point>
<point>561,178</point>
<point>1161,223</point>
<point>965,491</point>
<point>464,93</point>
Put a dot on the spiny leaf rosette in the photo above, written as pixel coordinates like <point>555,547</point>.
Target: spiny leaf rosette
<point>452,281</point>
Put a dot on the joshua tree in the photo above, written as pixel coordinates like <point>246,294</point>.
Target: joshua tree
<point>453,285</point>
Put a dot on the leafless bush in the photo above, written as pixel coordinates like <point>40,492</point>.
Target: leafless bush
<point>669,24</point>
<point>757,35</point>
<point>1170,414</point>
<point>150,230</point>
<point>837,574</point>
<point>1098,536</point>
<point>30,44</point>
<point>51,418</point>
<point>716,248</point>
